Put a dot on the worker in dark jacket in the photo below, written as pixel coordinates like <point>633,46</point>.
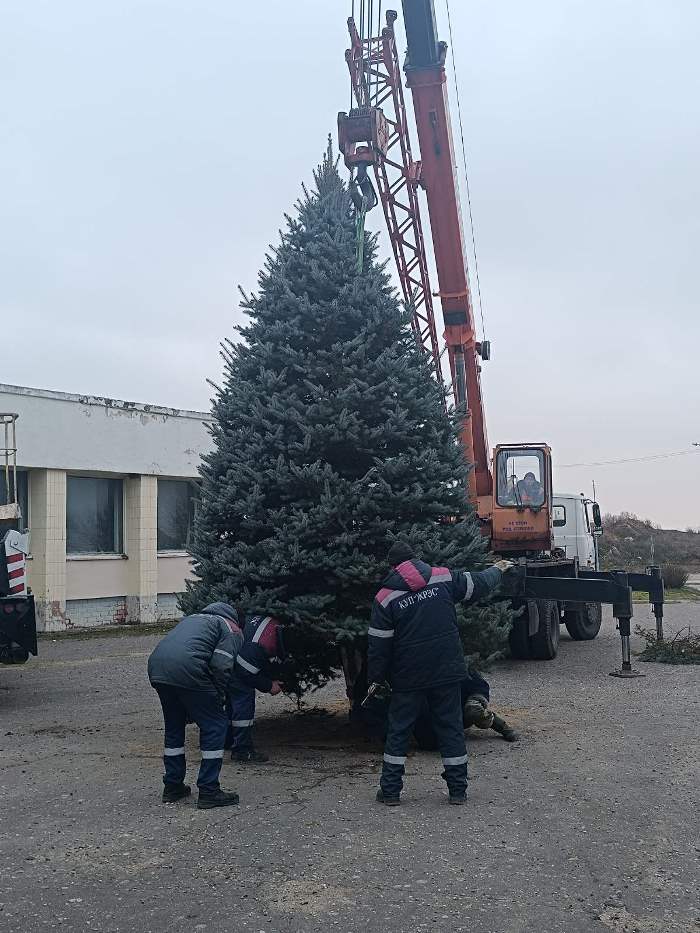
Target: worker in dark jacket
<point>414,644</point>
<point>262,644</point>
<point>191,669</point>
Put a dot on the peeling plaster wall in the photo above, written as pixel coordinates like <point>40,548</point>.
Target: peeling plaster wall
<point>85,433</point>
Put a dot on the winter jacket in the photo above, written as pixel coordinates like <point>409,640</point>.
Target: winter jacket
<point>413,637</point>
<point>262,641</point>
<point>200,652</point>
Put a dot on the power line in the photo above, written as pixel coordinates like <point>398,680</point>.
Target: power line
<point>466,173</point>
<point>673,453</point>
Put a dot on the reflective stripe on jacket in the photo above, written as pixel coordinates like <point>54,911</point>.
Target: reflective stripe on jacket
<point>262,641</point>
<point>413,638</point>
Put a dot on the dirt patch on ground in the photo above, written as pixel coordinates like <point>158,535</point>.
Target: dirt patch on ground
<point>620,920</point>
<point>312,898</point>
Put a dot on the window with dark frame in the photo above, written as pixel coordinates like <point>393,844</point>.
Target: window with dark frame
<point>94,515</point>
<point>513,465</point>
<point>559,516</point>
<point>178,501</point>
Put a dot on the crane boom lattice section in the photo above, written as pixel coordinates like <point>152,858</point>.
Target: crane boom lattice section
<point>375,75</point>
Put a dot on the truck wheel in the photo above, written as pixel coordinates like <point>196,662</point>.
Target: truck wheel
<point>584,624</point>
<point>518,641</point>
<point>544,644</point>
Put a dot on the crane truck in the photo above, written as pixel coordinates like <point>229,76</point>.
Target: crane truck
<point>510,488</point>
<point>17,615</point>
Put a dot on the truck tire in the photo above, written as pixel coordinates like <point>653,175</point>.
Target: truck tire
<point>584,624</point>
<point>544,644</point>
<point>519,641</point>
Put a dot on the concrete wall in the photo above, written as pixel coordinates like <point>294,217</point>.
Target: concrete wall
<point>173,569</point>
<point>89,613</point>
<point>62,431</point>
<point>168,608</point>
<point>93,578</point>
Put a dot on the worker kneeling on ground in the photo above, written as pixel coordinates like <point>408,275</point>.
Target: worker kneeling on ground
<point>414,644</point>
<point>191,670</point>
<point>475,694</point>
<point>262,645</point>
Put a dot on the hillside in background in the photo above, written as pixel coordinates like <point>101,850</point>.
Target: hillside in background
<point>626,542</point>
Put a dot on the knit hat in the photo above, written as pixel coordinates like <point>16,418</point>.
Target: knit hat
<point>399,552</point>
<point>221,609</point>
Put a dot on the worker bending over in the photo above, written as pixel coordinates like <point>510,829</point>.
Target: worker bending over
<point>262,644</point>
<point>414,644</point>
<point>191,669</point>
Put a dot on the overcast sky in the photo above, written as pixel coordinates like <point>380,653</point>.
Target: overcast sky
<point>150,148</point>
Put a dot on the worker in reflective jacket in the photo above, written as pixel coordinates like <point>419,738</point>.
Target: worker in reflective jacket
<point>414,644</point>
<point>191,669</point>
<point>262,644</point>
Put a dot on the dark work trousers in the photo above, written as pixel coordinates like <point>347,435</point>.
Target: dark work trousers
<point>206,709</point>
<point>445,705</point>
<point>241,711</point>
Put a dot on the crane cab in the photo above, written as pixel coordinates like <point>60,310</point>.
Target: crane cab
<point>521,516</point>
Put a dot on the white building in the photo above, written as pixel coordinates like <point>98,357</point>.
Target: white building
<point>108,490</point>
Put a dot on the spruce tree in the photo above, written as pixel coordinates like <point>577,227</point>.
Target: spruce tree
<point>330,440</point>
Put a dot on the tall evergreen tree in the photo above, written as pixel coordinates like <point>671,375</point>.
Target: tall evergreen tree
<point>330,440</point>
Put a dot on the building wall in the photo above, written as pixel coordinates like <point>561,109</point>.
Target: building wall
<point>168,608</point>
<point>94,578</point>
<point>173,570</point>
<point>89,613</point>
<point>60,434</point>
<point>84,432</point>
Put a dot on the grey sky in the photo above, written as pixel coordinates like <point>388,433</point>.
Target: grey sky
<point>150,149</point>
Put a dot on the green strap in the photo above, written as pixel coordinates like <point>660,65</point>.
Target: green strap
<point>360,232</point>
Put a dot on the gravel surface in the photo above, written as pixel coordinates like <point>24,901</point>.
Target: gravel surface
<point>589,824</point>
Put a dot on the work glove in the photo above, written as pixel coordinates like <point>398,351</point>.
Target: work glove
<point>477,713</point>
<point>513,577</point>
<point>504,565</point>
<point>377,692</point>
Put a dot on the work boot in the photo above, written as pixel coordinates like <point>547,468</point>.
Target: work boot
<point>173,792</point>
<point>208,799</point>
<point>458,800</point>
<point>387,801</point>
<point>504,730</point>
<point>249,756</point>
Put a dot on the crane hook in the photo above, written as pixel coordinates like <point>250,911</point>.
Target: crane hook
<point>364,198</point>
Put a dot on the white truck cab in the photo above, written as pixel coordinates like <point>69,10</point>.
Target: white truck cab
<point>576,529</point>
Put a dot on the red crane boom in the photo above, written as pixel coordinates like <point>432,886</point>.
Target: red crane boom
<point>379,123</point>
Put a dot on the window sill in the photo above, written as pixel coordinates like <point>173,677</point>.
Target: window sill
<point>97,557</point>
<point>173,554</point>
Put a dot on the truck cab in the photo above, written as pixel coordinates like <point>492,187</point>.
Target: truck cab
<point>576,525</point>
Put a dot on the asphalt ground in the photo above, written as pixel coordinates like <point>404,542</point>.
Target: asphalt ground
<point>590,823</point>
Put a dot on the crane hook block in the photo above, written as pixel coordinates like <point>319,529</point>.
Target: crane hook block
<point>363,136</point>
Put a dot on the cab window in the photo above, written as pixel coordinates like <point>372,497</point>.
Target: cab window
<point>520,478</point>
<point>559,516</point>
